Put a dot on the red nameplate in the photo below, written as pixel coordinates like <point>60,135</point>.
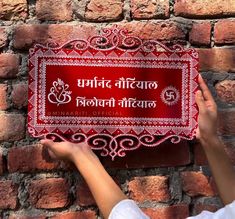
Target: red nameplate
<point>114,91</point>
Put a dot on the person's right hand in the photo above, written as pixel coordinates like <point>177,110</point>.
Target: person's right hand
<point>207,120</point>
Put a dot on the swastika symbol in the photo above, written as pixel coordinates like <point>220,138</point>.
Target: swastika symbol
<point>170,95</point>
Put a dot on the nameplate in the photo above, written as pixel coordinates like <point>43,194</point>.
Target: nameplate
<point>114,91</point>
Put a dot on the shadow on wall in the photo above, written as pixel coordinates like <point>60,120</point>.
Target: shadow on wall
<point>27,35</point>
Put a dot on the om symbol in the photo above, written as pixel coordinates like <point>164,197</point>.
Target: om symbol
<point>59,93</point>
<point>170,95</point>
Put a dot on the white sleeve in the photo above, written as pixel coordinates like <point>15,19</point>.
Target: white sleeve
<point>127,209</point>
<point>228,212</point>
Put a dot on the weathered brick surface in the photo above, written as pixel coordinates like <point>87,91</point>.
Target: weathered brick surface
<point>227,122</point>
<point>217,59</point>
<point>209,24</point>
<point>20,216</point>
<point>105,10</point>
<point>3,97</point>
<point>198,208</point>
<point>226,91</point>
<point>150,9</point>
<point>29,159</point>
<point>151,188</point>
<point>204,8</point>
<point>83,194</point>
<point>196,184</point>
<point>54,10</point>
<point>200,157</point>
<point>87,214</point>
<point>26,35</point>
<point>13,10</point>
<point>9,65</point>
<point>200,34</point>
<point>49,193</point>
<point>3,37</point>
<point>20,95</point>
<point>174,211</point>
<point>161,156</point>
<point>230,149</point>
<point>1,163</point>
<point>8,194</point>
<point>12,127</point>
<point>164,30</point>
<point>224,32</point>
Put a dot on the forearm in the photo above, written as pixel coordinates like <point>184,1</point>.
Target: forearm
<point>221,168</point>
<point>103,188</point>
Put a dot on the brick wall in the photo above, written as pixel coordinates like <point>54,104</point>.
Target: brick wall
<point>171,181</point>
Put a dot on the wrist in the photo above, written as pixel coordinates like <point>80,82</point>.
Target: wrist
<point>210,142</point>
<point>87,159</point>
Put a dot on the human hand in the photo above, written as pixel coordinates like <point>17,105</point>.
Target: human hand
<point>207,120</point>
<point>68,151</point>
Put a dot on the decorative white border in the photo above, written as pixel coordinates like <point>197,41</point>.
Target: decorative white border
<point>104,50</point>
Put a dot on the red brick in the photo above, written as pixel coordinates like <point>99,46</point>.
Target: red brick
<point>226,91</point>
<point>151,188</point>
<point>54,10</point>
<point>170,212</point>
<point>160,156</point>
<point>196,184</point>
<point>205,207</point>
<point>49,193</point>
<point>163,30</point>
<point>3,97</point>
<point>105,10</point>
<point>26,35</point>
<point>9,65</point>
<point>230,149</point>
<point>3,37</point>
<point>13,10</point>
<point>150,9</point>
<point>84,196</point>
<point>224,32</point>
<point>19,216</point>
<point>217,59</point>
<point>200,34</point>
<point>29,159</point>
<point>87,214</point>
<point>1,163</point>
<point>12,127</point>
<point>8,194</point>
<point>200,157</point>
<point>20,95</point>
<point>227,122</point>
<point>204,8</point>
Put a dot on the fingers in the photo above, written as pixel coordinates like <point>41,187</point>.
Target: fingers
<point>200,101</point>
<point>205,91</point>
<point>49,144</point>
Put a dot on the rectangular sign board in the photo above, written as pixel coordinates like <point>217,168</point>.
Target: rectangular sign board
<point>116,93</point>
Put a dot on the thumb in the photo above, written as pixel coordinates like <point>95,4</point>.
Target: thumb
<point>200,101</point>
<point>49,144</point>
